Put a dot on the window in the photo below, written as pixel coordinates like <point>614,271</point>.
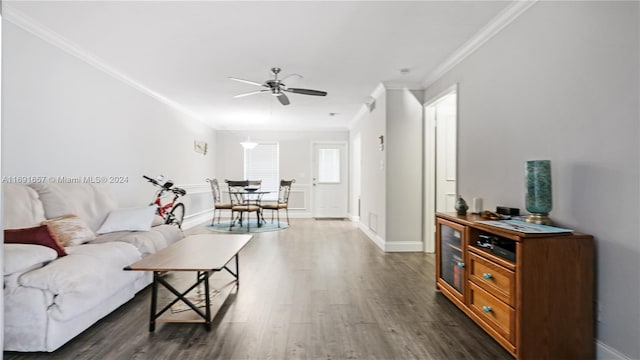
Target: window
<point>262,163</point>
<point>329,165</point>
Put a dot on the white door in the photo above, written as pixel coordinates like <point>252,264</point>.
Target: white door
<point>330,180</point>
<point>446,132</point>
<point>440,154</point>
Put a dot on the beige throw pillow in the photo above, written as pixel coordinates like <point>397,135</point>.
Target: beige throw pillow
<point>70,230</point>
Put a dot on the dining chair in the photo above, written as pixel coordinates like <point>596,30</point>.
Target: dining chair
<point>218,205</point>
<point>240,204</point>
<point>255,183</point>
<point>283,200</point>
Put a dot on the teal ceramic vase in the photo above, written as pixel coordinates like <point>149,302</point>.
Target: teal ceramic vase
<point>538,199</point>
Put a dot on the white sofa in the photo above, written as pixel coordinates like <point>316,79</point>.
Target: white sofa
<point>48,299</point>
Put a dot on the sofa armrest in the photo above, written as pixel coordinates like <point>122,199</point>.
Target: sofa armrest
<point>23,257</point>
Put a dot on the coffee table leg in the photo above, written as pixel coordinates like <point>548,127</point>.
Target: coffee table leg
<point>237,271</point>
<point>154,302</point>
<point>207,302</point>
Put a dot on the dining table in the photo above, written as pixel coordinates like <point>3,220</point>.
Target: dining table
<point>249,197</point>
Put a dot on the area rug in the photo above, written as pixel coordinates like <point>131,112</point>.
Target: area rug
<point>223,226</point>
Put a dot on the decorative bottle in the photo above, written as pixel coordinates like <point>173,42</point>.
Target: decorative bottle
<point>461,206</point>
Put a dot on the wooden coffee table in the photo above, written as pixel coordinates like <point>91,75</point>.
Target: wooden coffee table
<point>204,254</point>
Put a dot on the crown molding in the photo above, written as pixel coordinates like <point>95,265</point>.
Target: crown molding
<point>364,109</point>
<point>356,118</point>
<point>378,91</point>
<point>504,18</point>
<point>402,85</point>
<point>30,25</point>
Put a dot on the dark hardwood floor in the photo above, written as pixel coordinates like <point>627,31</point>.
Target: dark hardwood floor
<point>317,290</point>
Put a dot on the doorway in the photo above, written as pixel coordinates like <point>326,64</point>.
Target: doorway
<point>330,191</point>
<point>440,164</point>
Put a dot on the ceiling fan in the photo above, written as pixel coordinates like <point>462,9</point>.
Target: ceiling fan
<point>277,86</point>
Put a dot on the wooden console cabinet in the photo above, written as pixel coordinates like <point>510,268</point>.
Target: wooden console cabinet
<point>535,298</point>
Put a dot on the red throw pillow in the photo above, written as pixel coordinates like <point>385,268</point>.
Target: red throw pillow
<point>39,235</point>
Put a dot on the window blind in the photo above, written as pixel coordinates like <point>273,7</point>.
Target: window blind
<point>262,162</point>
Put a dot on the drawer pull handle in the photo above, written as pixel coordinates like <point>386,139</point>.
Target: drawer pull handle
<point>460,264</point>
<point>487,276</point>
<point>486,308</point>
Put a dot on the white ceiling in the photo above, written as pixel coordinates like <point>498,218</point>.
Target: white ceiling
<point>186,50</point>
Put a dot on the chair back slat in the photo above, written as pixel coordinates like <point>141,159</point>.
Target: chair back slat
<point>235,186</point>
<point>215,189</point>
<point>237,183</point>
<point>256,183</point>
<point>285,190</point>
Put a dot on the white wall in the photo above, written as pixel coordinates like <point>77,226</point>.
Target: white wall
<point>63,117</point>
<point>370,125</point>
<point>562,83</point>
<point>355,176</point>
<point>391,180</point>
<point>404,170</point>
<point>295,160</point>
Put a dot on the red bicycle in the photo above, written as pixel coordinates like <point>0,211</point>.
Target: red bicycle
<point>173,211</point>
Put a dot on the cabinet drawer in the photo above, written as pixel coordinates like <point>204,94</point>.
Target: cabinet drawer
<point>500,316</point>
<point>495,279</point>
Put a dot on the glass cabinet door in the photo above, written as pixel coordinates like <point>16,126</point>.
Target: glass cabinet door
<point>451,256</point>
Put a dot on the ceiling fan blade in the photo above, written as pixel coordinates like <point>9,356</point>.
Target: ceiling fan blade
<point>306,91</point>
<point>247,81</point>
<point>291,76</point>
<point>284,100</point>
<point>250,93</point>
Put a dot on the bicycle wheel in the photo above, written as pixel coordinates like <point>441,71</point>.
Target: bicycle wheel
<point>176,215</point>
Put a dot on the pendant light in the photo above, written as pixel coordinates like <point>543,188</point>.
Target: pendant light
<point>248,145</point>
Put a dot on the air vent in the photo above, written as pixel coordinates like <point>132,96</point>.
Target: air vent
<point>371,104</point>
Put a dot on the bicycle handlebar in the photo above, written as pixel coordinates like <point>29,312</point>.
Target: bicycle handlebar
<point>168,185</point>
<point>153,181</point>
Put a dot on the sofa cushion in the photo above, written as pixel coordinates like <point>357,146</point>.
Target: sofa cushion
<point>23,257</point>
<point>22,208</point>
<point>128,219</point>
<point>25,318</point>
<point>39,235</point>
<point>84,278</point>
<point>90,202</point>
<point>157,220</point>
<point>147,242</point>
<point>70,230</point>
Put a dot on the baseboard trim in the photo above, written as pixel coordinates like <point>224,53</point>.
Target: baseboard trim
<point>194,220</point>
<point>605,352</point>
<point>404,246</point>
<point>292,215</point>
<point>391,246</point>
<point>372,236</point>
